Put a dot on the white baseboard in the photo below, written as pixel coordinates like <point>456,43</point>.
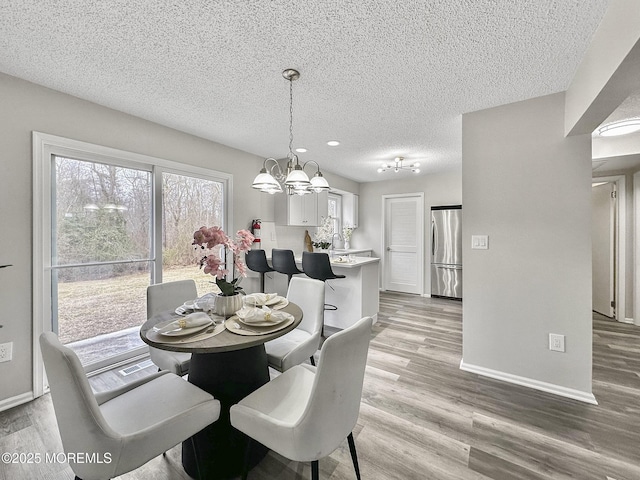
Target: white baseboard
<point>586,397</point>
<point>628,320</point>
<point>11,402</point>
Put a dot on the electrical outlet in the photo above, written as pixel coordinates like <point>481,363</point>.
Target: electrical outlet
<point>556,342</point>
<point>6,350</point>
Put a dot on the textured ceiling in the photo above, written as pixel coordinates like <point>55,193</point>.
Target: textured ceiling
<point>385,78</point>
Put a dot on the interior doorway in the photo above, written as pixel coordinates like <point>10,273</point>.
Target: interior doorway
<point>609,246</point>
<point>603,245</point>
<point>403,243</point>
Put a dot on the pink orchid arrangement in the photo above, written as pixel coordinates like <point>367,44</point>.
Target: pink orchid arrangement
<point>215,244</point>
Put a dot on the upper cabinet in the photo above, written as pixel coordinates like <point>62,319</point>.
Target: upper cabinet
<point>300,210</point>
<point>350,209</point>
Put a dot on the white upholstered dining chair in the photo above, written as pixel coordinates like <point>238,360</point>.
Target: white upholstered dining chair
<point>305,413</point>
<point>121,429</point>
<point>167,296</point>
<point>303,341</point>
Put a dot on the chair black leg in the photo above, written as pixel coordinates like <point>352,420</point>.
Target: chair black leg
<point>195,455</point>
<point>354,456</point>
<point>247,457</point>
<point>312,360</point>
<point>315,474</point>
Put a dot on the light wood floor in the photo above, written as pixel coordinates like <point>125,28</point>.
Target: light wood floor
<point>423,418</point>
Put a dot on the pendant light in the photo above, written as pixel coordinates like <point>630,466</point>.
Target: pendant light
<point>296,180</point>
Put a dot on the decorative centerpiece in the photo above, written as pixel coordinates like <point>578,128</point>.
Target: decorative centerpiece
<point>213,246</point>
<point>324,233</point>
<point>347,231</point>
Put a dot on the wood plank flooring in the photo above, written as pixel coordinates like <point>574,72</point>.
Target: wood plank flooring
<point>423,418</point>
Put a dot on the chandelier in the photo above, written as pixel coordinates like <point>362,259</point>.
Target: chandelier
<point>399,165</point>
<point>272,178</point>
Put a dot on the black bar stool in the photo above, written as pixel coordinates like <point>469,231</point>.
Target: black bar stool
<point>318,266</point>
<point>256,261</point>
<point>283,261</point>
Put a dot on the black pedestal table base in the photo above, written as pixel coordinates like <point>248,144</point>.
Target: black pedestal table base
<point>229,377</point>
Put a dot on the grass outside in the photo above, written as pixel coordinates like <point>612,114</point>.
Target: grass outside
<point>87,309</point>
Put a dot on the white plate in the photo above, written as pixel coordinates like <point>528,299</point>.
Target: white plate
<point>230,325</point>
<point>269,302</point>
<point>264,324</point>
<point>166,328</point>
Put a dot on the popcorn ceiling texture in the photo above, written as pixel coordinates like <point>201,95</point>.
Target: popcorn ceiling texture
<point>386,78</point>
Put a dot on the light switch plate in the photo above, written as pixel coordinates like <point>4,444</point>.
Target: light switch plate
<point>480,242</point>
<point>556,342</point>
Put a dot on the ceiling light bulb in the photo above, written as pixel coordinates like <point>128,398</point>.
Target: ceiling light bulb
<point>301,150</point>
<point>380,170</point>
<point>417,170</point>
<point>333,143</point>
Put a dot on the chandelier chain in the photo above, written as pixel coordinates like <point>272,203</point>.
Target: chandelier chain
<point>290,117</point>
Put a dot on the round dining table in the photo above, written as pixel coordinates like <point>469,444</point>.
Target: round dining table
<point>229,366</point>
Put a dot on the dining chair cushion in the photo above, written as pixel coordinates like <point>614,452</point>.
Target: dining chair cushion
<point>288,350</point>
<point>132,424</point>
<point>304,414</point>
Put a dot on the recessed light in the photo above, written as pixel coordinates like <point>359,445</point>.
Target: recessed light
<point>333,143</point>
<point>621,127</point>
<point>301,150</point>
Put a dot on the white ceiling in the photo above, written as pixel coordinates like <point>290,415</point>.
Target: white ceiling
<point>385,78</point>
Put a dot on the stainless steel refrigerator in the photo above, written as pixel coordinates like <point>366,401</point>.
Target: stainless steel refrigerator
<point>446,251</point>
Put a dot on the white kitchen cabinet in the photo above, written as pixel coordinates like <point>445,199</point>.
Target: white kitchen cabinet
<point>300,210</point>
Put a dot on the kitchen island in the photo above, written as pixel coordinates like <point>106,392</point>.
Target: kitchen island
<point>356,296</point>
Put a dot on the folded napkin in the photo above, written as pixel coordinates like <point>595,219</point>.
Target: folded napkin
<point>262,316</point>
<point>262,298</point>
<point>196,319</point>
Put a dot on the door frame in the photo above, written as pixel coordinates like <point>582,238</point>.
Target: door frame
<point>44,145</point>
<point>620,244</point>
<point>420,246</point>
<point>636,249</point>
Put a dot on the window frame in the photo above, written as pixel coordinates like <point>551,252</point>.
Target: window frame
<point>44,147</point>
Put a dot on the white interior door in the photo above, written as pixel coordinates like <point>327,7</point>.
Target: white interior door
<point>603,244</point>
<point>403,269</point>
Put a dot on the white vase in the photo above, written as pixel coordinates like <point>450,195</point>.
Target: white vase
<point>347,245</point>
<point>228,305</point>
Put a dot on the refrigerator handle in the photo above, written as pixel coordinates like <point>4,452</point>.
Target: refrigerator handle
<point>433,238</point>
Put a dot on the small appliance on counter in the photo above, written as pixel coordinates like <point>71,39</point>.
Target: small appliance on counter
<point>446,251</point>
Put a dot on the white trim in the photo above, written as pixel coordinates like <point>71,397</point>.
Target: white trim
<point>636,248</point>
<point>11,402</point>
<point>621,257</point>
<point>559,390</point>
<point>420,246</point>
<point>45,145</point>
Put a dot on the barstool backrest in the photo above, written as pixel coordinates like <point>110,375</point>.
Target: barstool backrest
<point>318,266</point>
<point>283,261</point>
<point>256,261</point>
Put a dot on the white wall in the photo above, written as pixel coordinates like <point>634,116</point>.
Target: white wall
<point>438,189</point>
<point>528,188</point>
<point>27,107</point>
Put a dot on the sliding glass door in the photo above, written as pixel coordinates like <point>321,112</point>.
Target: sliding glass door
<point>101,257</point>
<point>107,224</point>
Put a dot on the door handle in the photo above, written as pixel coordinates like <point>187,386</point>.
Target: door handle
<point>388,249</point>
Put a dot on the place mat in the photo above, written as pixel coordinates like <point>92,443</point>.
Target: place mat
<point>234,325</point>
<point>157,338</point>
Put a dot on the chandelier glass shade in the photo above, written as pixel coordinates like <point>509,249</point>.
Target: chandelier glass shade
<point>621,127</point>
<point>271,179</point>
<point>398,164</point>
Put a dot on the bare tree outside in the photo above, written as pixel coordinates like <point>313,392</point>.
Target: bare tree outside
<point>102,242</point>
